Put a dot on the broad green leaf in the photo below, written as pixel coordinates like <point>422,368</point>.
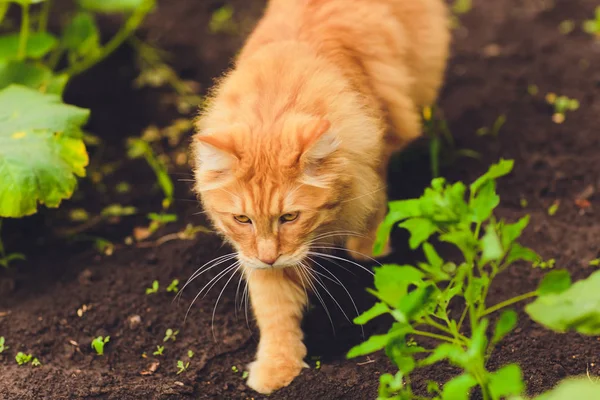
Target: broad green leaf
<point>433,258</point>
<point>375,311</point>
<point>506,323</point>
<point>464,240</point>
<point>40,150</point>
<point>554,282</point>
<point>503,167</point>
<point>420,230</point>
<point>518,252</point>
<point>38,45</point>
<point>511,232</point>
<point>399,211</point>
<point>442,352</point>
<point>491,247</point>
<point>23,73</point>
<point>485,202</point>
<point>475,288</point>
<point>506,382</point>
<point>577,308</point>
<point>378,342</point>
<point>573,388</point>
<point>81,36</point>
<point>113,6</point>
<point>413,304</point>
<point>392,282</point>
<point>459,388</point>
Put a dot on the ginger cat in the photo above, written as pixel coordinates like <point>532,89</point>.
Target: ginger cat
<point>292,150</point>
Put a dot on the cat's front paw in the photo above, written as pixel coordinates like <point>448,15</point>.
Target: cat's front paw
<point>269,375</point>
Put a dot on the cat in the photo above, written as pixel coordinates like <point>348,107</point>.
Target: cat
<point>291,152</point>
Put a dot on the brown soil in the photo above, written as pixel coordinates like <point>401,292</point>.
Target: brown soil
<point>503,46</point>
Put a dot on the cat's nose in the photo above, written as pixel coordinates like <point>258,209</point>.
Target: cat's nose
<point>269,260</point>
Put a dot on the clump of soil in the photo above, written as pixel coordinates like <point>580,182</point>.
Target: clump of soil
<point>67,294</point>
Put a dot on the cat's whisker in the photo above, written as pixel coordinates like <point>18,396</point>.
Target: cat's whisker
<point>330,256</point>
<point>215,280</point>
<point>305,270</point>
<point>237,292</point>
<point>316,278</point>
<point>337,233</point>
<point>218,260</point>
<point>247,295</point>
<point>366,194</point>
<point>348,250</point>
<point>235,265</point>
<point>301,281</point>
<point>212,321</point>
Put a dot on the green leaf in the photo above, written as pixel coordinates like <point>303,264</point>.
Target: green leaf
<point>442,352</point>
<point>485,202</point>
<point>491,248</point>
<point>399,211</point>
<point>38,45</point>
<point>375,311</point>
<point>464,240</point>
<point>511,232</point>
<point>577,308</point>
<point>378,342</point>
<point>474,292</point>
<point>506,323</point>
<point>392,282</point>
<point>503,167</point>
<point>112,6</point>
<point>22,73</point>
<point>433,258</point>
<point>554,282</point>
<point>81,36</point>
<point>518,252</point>
<point>459,388</point>
<point>420,230</point>
<point>40,151</point>
<point>573,388</point>
<point>506,382</point>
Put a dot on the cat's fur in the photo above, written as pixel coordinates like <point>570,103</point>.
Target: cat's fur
<point>322,94</point>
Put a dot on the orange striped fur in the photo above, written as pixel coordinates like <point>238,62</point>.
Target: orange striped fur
<point>322,94</point>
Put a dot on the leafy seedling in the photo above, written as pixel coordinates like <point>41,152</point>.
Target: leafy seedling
<point>235,369</point>
<point>170,334</point>
<point>173,286</point>
<point>592,26</point>
<point>561,104</point>
<point>2,345</point>
<point>190,354</point>
<point>553,209</point>
<point>98,344</point>
<point>153,289</point>
<point>138,148</point>
<point>245,375</point>
<point>182,367</point>
<point>420,296</point>
<point>159,350</point>
<point>23,359</point>
<point>495,129</point>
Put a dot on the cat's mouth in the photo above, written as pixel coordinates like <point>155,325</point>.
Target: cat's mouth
<point>284,261</point>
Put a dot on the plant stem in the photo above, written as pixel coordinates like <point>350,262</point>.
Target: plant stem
<point>435,336</point>
<point>24,35</point>
<point>434,324</point>
<point>44,14</point>
<point>508,302</point>
<point>132,23</point>
<point>462,318</point>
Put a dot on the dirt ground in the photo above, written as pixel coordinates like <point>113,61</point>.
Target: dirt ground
<point>502,48</point>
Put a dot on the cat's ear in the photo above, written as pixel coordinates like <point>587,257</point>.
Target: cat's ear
<point>216,157</point>
<point>318,143</point>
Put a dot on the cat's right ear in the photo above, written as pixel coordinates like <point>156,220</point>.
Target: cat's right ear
<point>215,159</point>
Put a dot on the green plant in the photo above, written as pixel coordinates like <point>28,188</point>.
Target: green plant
<point>159,350</point>
<point>153,289</point>
<point>190,354</point>
<point>170,334</point>
<point>138,148</point>
<point>495,130</point>
<point>221,21</point>
<point>2,345</point>
<point>41,139</point>
<point>442,148</point>
<point>173,286</point>
<point>182,367</point>
<point>420,298</point>
<point>160,220</point>
<point>235,369</point>
<point>592,26</point>
<point>561,104</point>
<point>23,359</point>
<point>98,344</point>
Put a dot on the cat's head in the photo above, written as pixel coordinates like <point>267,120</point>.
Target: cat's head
<point>270,191</point>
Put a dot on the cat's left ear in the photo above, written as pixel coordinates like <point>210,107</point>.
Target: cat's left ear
<point>318,142</point>
<point>216,157</point>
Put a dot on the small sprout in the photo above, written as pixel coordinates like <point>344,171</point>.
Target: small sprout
<point>98,344</point>
<point>174,286</point>
<point>190,354</point>
<point>36,363</point>
<point>182,367</point>
<point>123,187</point>
<point>593,263</point>
<point>245,375</point>
<point>170,335</point>
<point>104,246</point>
<point>23,358</point>
<point>235,369</point>
<point>533,90</point>
<point>566,27</point>
<point>160,220</point>
<point>561,104</point>
<point>117,211</point>
<point>553,208</point>
<point>495,130</point>
<point>153,289</point>
<point>523,202</point>
<point>221,21</point>
<point>318,364</point>
<point>79,215</point>
<point>159,351</point>
<point>592,26</point>
<point>2,346</point>
<point>545,264</point>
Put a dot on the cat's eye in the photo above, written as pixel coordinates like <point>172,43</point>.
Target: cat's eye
<point>242,219</point>
<point>289,217</point>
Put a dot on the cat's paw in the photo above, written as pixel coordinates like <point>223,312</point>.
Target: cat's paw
<point>361,249</point>
<point>266,376</point>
